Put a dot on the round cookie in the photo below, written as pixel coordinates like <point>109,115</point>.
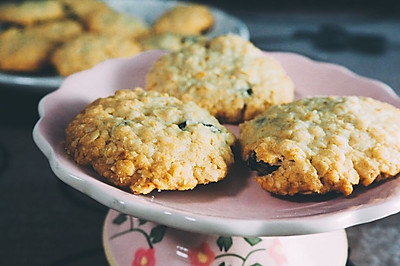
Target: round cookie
<point>87,50</point>
<point>323,144</point>
<point>114,23</point>
<point>24,51</point>
<point>146,141</point>
<point>56,31</point>
<point>229,76</point>
<point>185,20</point>
<point>83,9</point>
<point>30,12</point>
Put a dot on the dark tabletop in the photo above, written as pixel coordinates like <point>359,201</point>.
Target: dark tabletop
<point>45,222</point>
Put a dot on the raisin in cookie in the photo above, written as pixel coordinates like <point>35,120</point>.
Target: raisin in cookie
<point>322,144</point>
<point>227,75</point>
<point>146,140</point>
<point>184,19</point>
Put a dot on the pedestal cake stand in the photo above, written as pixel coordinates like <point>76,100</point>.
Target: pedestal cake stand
<point>234,221</point>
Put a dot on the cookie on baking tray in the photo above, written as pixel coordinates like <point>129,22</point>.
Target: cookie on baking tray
<point>185,20</point>
<point>322,144</point>
<point>30,12</point>
<point>149,141</point>
<point>227,75</point>
<point>87,50</point>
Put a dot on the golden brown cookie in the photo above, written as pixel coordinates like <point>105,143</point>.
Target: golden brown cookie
<point>323,144</point>
<point>114,23</point>
<point>185,19</point>
<point>81,9</point>
<point>57,31</point>
<point>146,141</point>
<point>30,12</point>
<point>88,50</point>
<point>23,51</point>
<point>227,75</point>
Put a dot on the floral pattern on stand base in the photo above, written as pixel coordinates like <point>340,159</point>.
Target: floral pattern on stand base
<point>131,241</point>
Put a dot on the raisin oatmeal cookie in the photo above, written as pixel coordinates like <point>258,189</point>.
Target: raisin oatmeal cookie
<point>227,75</point>
<point>147,140</point>
<point>322,144</point>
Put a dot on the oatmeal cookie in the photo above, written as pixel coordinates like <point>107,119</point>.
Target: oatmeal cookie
<point>227,75</point>
<point>322,144</point>
<point>184,19</point>
<point>87,50</point>
<point>83,9</point>
<point>168,41</point>
<point>146,141</point>
<point>30,12</point>
<point>57,31</point>
<point>23,51</point>
<point>114,23</point>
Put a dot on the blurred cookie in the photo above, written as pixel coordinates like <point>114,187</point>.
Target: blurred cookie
<point>83,9</point>
<point>146,141</point>
<point>115,23</point>
<point>227,75</point>
<point>168,41</point>
<point>323,144</point>
<point>23,51</point>
<point>185,19</point>
<point>56,31</point>
<point>30,12</point>
<point>87,50</point>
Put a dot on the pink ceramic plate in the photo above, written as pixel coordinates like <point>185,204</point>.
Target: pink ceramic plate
<point>236,205</point>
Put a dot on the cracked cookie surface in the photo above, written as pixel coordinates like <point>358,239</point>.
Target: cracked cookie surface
<point>227,75</point>
<point>323,144</point>
<point>147,140</point>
